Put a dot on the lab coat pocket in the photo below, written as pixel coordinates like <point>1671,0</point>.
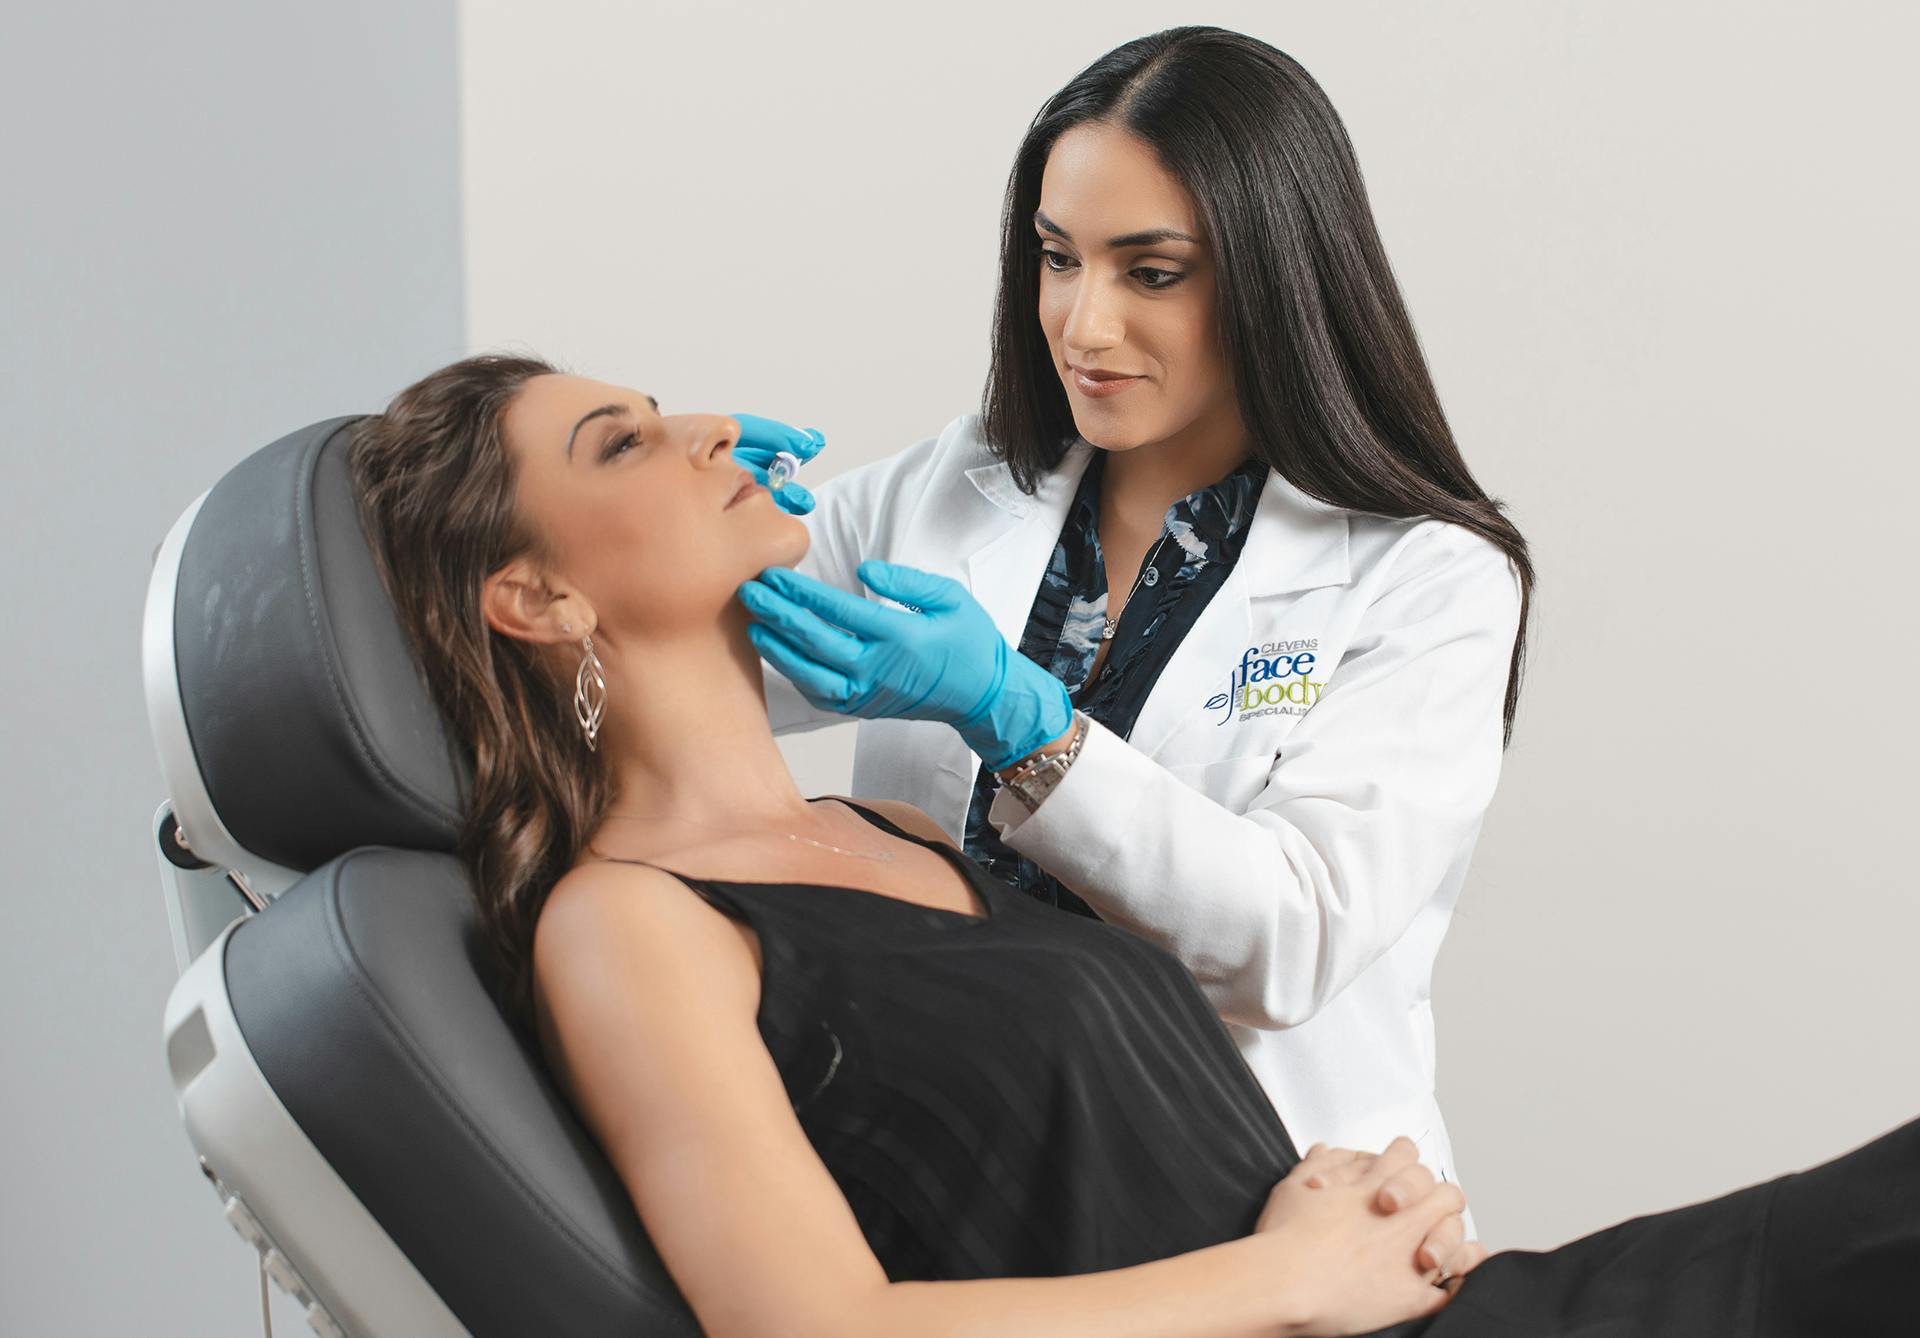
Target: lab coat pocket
<point>1211,741</point>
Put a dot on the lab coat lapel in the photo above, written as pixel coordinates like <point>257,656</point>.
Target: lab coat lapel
<point>1004,568</point>
<point>1294,543</point>
<point>1005,550</point>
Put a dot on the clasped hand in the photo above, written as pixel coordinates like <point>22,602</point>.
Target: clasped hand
<point>1373,1239</point>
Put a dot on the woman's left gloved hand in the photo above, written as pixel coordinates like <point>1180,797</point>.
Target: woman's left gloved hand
<point>945,661</point>
<point>763,438</point>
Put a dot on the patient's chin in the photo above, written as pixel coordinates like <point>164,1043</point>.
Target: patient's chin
<point>788,539</point>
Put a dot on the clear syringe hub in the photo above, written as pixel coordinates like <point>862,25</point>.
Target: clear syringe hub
<point>783,469</point>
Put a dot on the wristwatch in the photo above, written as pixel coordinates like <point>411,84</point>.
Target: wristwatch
<point>1034,779</point>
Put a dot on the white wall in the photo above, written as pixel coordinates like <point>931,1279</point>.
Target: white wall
<point>222,221</point>
<point>1661,259</point>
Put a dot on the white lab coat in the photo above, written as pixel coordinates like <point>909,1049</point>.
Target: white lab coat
<point>1301,856</point>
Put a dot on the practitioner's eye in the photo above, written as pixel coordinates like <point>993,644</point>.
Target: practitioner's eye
<point>1151,277</point>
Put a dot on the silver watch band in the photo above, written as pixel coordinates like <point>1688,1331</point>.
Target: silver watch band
<point>1034,780</point>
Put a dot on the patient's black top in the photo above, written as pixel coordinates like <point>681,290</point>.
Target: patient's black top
<point>1032,1093</point>
<point>1028,1093</point>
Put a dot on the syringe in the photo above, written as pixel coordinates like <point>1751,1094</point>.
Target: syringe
<point>782,471</point>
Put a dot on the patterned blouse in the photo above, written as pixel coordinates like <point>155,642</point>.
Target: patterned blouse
<point>1064,629</point>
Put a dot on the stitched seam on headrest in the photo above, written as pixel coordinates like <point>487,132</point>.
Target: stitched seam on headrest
<point>303,496</point>
<point>422,1069</point>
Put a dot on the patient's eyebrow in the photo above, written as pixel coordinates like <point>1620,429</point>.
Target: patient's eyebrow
<point>602,412</point>
<point>1146,238</point>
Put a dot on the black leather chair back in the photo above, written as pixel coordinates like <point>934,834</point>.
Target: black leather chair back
<point>365,993</point>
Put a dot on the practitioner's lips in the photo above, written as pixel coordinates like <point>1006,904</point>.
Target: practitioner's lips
<point>1097,384</point>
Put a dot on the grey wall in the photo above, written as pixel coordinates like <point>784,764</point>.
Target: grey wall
<point>221,221</point>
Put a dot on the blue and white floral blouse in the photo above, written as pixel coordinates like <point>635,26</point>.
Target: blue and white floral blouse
<point>1063,631</point>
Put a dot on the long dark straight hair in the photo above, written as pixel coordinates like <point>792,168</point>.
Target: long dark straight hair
<point>1330,378</point>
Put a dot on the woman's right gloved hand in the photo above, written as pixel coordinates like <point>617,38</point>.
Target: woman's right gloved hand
<point>763,438</point>
<point>939,658</point>
<point>1364,1241</point>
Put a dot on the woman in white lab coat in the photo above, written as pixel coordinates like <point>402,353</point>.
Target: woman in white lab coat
<point>1202,626</point>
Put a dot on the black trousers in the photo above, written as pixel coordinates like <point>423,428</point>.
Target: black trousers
<point>1832,1252</point>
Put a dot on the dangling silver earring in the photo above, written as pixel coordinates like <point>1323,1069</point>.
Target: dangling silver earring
<point>590,693</point>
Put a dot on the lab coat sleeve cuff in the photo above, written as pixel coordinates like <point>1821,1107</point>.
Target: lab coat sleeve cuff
<point>1076,831</point>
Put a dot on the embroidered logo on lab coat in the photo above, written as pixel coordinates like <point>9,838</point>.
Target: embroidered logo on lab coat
<point>1275,678</point>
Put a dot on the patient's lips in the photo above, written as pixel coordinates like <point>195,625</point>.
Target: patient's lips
<point>748,486</point>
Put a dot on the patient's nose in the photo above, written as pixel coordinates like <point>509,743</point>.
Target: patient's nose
<point>713,439</point>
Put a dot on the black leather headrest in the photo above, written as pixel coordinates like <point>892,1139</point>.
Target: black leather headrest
<point>310,723</point>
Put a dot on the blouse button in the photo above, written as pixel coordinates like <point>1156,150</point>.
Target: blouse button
<point>1151,577</point>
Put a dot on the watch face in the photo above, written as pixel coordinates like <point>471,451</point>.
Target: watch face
<point>1041,776</point>
<point>1047,776</point>
<point>1032,792</point>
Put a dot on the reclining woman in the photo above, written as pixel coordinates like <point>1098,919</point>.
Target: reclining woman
<point>853,1084</point>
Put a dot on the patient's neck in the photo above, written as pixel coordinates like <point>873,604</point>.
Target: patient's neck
<point>687,733</point>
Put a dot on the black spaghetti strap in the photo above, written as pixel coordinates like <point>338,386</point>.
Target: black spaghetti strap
<point>700,887</point>
<point>645,864</point>
<point>880,820</point>
<point>720,892</point>
<point>983,883</point>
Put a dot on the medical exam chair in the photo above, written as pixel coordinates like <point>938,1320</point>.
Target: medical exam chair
<point>373,1124</point>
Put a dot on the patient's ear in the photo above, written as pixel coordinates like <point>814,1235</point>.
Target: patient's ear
<point>519,601</point>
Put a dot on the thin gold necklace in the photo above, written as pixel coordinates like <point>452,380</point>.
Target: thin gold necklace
<point>883,856</point>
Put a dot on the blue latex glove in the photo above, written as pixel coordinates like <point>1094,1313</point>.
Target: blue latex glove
<point>761,439</point>
<point>944,661</point>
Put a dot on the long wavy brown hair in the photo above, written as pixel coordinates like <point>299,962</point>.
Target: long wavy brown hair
<point>436,487</point>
